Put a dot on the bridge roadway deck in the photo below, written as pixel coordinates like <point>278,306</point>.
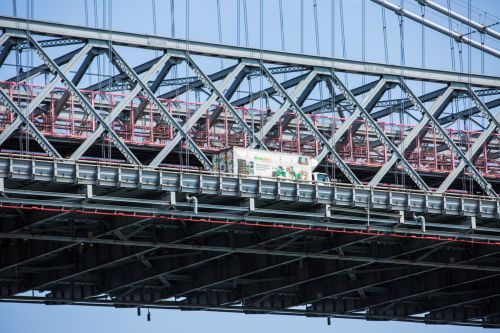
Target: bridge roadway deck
<point>88,233</point>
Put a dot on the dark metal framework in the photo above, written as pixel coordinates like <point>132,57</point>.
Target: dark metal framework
<point>136,233</point>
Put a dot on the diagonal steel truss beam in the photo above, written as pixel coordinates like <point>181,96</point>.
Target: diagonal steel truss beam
<point>23,116</point>
<point>85,104</point>
<point>76,80</point>
<point>448,141</point>
<point>166,116</point>
<point>368,103</point>
<point>42,68</point>
<point>482,107</point>
<point>197,84</point>
<point>89,141</point>
<point>35,133</point>
<point>223,100</point>
<point>370,122</point>
<point>299,90</point>
<point>470,155</point>
<point>155,85</point>
<point>467,112</point>
<point>310,126</point>
<point>436,108</point>
<point>196,116</point>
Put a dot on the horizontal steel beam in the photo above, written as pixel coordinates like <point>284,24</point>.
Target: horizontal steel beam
<point>198,182</point>
<point>235,52</point>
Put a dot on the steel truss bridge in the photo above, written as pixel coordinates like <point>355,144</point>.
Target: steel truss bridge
<point>409,230</point>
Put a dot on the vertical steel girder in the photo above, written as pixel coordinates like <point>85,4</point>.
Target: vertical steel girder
<point>196,116</point>
<point>436,108</point>
<point>85,104</point>
<point>89,141</point>
<point>447,140</point>
<point>222,99</point>
<point>370,122</point>
<point>470,155</point>
<point>299,89</point>
<point>165,115</point>
<point>368,103</point>
<point>310,126</point>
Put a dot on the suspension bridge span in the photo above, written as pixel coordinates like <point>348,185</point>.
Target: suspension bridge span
<point>108,195</point>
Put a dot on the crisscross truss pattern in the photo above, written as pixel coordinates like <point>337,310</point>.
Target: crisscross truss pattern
<point>107,198</point>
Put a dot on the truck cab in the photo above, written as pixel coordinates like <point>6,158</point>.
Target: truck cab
<point>320,177</point>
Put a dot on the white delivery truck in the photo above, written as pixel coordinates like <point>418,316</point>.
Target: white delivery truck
<point>269,164</point>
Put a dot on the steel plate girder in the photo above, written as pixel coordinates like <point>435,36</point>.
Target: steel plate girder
<point>89,141</point>
<point>488,189</point>
<point>310,126</point>
<point>129,177</point>
<point>299,89</point>
<point>368,103</point>
<point>193,119</point>
<point>85,104</point>
<point>223,100</point>
<point>235,52</point>
<point>436,108</point>
<point>120,62</point>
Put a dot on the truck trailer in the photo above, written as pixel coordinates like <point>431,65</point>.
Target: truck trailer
<point>268,164</point>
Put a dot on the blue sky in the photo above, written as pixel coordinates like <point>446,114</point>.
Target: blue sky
<point>136,16</point>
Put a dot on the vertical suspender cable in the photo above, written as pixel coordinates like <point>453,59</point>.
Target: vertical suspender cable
<point>422,27</point>
<point>245,18</point>
<point>238,5</point>
<point>316,29</point>
<point>363,34</point>
<point>384,28</point>
<point>219,26</point>
<point>332,94</point>
<point>342,30</point>
<point>302,26</point>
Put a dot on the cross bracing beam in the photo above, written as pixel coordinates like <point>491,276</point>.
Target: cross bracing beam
<point>197,84</point>
<point>448,141</point>
<point>435,110</point>
<point>368,103</point>
<point>223,100</point>
<point>154,86</point>
<point>482,28</point>
<point>482,107</point>
<point>370,122</point>
<point>23,119</point>
<point>439,28</point>
<point>234,52</point>
<point>297,93</point>
<point>43,68</point>
<point>470,155</point>
<point>467,112</point>
<point>161,108</point>
<point>23,116</point>
<point>76,80</point>
<point>79,97</point>
<point>316,107</point>
<point>344,168</point>
<point>90,140</point>
<point>193,119</point>
<point>252,251</point>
